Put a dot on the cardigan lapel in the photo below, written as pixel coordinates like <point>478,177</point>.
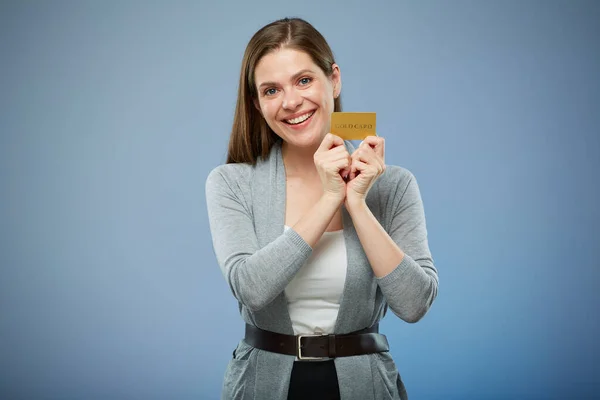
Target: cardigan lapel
<point>358,298</point>
<point>269,225</point>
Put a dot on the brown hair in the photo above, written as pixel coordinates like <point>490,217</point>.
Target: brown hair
<point>251,136</point>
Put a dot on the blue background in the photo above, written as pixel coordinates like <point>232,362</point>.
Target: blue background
<point>113,114</point>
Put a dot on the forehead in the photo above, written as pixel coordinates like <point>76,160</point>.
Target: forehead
<point>281,64</point>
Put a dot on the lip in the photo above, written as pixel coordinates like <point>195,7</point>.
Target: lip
<point>299,114</point>
<point>302,125</point>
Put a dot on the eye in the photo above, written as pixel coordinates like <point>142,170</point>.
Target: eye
<point>270,92</point>
<point>305,81</point>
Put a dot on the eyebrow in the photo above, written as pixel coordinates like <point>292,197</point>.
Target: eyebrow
<point>294,77</point>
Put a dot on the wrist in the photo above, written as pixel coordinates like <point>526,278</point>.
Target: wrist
<point>356,205</point>
<point>333,199</point>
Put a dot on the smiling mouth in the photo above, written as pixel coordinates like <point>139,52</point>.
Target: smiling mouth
<point>300,119</point>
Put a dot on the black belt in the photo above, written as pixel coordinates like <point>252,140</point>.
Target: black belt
<point>316,347</point>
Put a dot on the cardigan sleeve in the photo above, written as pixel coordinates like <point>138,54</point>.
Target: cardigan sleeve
<point>412,286</point>
<point>255,275</point>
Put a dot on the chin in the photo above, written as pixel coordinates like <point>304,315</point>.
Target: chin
<point>310,138</point>
<point>307,141</point>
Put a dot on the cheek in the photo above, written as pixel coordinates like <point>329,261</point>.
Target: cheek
<point>327,95</point>
<point>327,101</point>
<point>321,95</point>
<point>267,109</point>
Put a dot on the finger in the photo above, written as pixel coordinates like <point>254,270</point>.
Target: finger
<point>333,155</point>
<point>330,141</point>
<point>339,150</point>
<point>353,170</point>
<point>359,166</point>
<point>365,154</point>
<point>325,156</point>
<point>364,146</point>
<point>368,156</point>
<point>340,165</point>
<point>330,162</point>
<point>374,140</point>
<point>377,143</point>
<point>364,166</point>
<point>346,170</point>
<point>344,173</point>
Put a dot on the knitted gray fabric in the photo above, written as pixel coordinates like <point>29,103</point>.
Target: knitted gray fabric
<point>258,257</point>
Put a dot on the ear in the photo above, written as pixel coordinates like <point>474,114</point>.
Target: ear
<point>336,80</point>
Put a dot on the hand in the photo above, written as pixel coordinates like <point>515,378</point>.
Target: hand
<point>332,161</point>
<point>368,163</point>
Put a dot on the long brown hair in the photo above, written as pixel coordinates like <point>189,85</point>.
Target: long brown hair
<point>251,137</point>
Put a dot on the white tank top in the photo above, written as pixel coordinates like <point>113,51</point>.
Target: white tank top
<point>313,295</point>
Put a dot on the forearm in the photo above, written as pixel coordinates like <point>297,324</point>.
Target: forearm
<point>258,274</point>
<point>257,279</point>
<point>312,224</point>
<point>410,289</point>
<point>408,285</point>
<point>383,253</point>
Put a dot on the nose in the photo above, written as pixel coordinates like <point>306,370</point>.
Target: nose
<point>291,99</point>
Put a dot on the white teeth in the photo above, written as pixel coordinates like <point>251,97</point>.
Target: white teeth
<point>300,119</point>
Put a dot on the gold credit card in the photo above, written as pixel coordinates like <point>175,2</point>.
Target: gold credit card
<point>353,125</point>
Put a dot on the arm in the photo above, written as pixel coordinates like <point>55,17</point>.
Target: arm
<point>401,260</point>
<point>312,225</point>
<point>256,275</point>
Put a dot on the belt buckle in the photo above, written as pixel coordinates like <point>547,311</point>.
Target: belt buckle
<point>300,356</point>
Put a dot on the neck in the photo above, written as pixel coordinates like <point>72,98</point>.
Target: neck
<point>298,162</point>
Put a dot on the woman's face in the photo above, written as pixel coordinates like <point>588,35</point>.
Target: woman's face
<point>295,97</point>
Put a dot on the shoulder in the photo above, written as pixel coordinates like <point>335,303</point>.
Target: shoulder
<point>243,174</point>
<point>230,176</point>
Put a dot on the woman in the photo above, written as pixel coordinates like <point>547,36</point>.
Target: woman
<point>311,234</point>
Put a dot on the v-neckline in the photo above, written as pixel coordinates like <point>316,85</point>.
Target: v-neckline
<point>352,280</point>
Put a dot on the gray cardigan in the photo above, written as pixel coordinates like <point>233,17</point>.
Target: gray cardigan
<point>246,210</point>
